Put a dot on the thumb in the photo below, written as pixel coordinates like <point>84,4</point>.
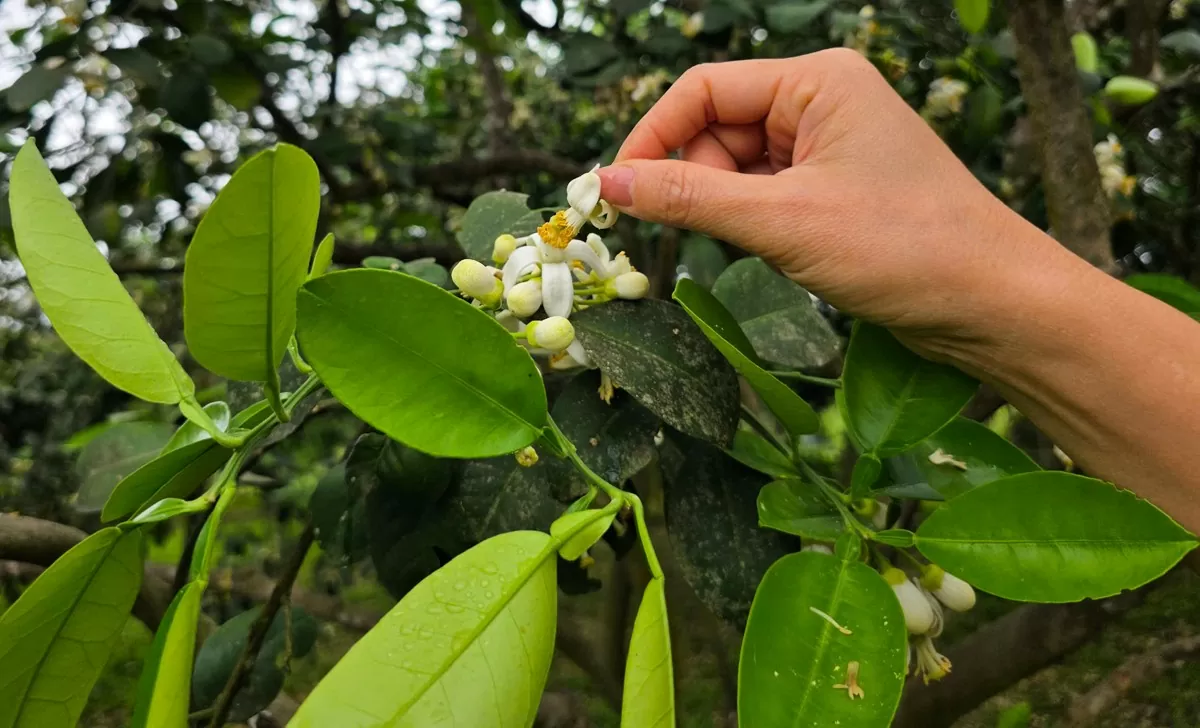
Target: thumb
<point>716,202</point>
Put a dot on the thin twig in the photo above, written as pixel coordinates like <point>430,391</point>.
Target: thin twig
<point>258,631</point>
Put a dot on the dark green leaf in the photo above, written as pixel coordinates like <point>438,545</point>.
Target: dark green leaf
<point>795,660</point>
<point>163,690</point>
<point>113,455</point>
<point>894,398</point>
<point>702,257</point>
<point>1184,42</point>
<point>712,520</point>
<point>246,262</point>
<point>754,452</point>
<point>615,440</point>
<point>37,84</point>
<point>792,16</point>
<point>220,652</point>
<point>652,350</point>
<point>56,639</point>
<point>80,294</point>
<point>1170,290</point>
<point>584,52</point>
<point>491,215</point>
<point>866,472</point>
<point>967,455</point>
<point>390,347</point>
<point>799,508</point>
<point>209,50</point>
<point>778,316</point>
<point>723,331</point>
<point>238,88</point>
<point>338,514</point>
<point>137,64</point>
<point>1052,537</point>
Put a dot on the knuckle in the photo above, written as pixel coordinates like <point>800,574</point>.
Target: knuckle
<point>680,195</point>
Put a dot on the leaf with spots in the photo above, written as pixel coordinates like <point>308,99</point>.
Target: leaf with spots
<point>470,645</point>
<point>654,351</point>
<point>57,638</point>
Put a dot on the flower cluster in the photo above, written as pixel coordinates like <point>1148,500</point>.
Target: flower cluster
<point>922,599</point>
<point>945,98</point>
<point>553,272</point>
<point>1110,158</point>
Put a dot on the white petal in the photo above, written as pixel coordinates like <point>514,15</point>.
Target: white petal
<point>558,289</point>
<point>576,352</point>
<point>597,244</point>
<point>583,193</point>
<point>606,218</point>
<point>581,251</point>
<point>518,263</point>
<point>550,254</point>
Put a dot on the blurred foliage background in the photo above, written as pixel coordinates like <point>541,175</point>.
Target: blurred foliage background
<point>411,108</point>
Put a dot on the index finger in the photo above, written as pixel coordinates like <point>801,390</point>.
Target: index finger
<point>739,92</point>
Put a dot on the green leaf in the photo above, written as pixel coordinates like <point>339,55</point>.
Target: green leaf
<point>114,454</point>
<point>1185,42</point>
<point>79,293</point>
<point>778,316</point>
<point>491,215</point>
<point>221,651</point>
<point>1016,716</point>
<point>615,440</point>
<point>323,258</point>
<point>37,84</point>
<point>712,521</point>
<point>866,472</point>
<point>577,545</point>
<point>168,508</point>
<point>585,52</point>
<point>427,269</point>
<point>723,331</point>
<point>702,257</point>
<point>916,491</point>
<point>649,695</point>
<point>209,50</point>
<point>899,537</point>
<point>190,432</point>
<point>338,509</point>
<point>56,639</point>
<point>163,690</point>
<point>968,455</point>
<point>245,263</point>
<point>473,641</point>
<point>186,96</point>
<point>799,508</point>
<point>792,16</point>
<point>652,350</point>
<point>756,453</point>
<point>137,64</point>
<point>173,474</point>
<point>390,347</point>
<point>1171,290</point>
<point>793,657</point>
<point>237,87</point>
<point>1052,537</point>
<point>985,115</point>
<point>972,14</point>
<point>894,398</point>
<point>247,399</point>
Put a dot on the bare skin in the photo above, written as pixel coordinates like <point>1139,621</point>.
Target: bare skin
<point>817,165</point>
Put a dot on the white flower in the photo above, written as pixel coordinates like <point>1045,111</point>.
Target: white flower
<point>1109,151</point>
<point>630,285</point>
<point>584,205</point>
<point>477,281</point>
<point>955,593</point>
<point>553,334</point>
<point>574,357</point>
<point>918,614</point>
<point>945,97</point>
<point>931,665</point>
<point>502,248</point>
<point>524,299</point>
<point>558,284</point>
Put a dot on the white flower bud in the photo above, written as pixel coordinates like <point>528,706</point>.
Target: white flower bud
<point>918,615</point>
<point>475,279</point>
<point>955,593</point>
<point>503,248</point>
<point>554,334</point>
<point>524,299</point>
<point>819,548</point>
<point>632,285</point>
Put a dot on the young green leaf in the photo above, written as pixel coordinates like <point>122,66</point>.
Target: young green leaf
<point>169,508</point>
<point>79,293</point>
<point>1052,537</point>
<point>894,398</point>
<point>778,316</point>
<point>962,455</point>
<point>491,215</point>
<point>972,14</point>
<point>391,348</point>
<point>190,432</point>
<point>1086,53</point>
<point>1130,90</point>
<point>245,263</point>
<point>899,537</point>
<point>649,696</point>
<point>799,508</point>
<point>575,546</point>
<point>723,331</point>
<point>56,639</point>
<point>652,350</point>
<point>824,646</point>
<point>163,690</point>
<point>866,472</point>
<point>1171,290</point>
<point>323,258</point>
<point>174,474</point>
<point>754,452</point>
<point>112,456</point>
<point>472,644</point>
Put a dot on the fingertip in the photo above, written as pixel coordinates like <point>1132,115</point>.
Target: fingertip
<point>616,184</point>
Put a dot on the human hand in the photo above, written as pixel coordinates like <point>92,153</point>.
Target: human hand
<point>818,166</point>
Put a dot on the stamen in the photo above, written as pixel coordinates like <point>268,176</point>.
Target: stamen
<point>829,619</point>
<point>557,233</point>
<point>851,686</point>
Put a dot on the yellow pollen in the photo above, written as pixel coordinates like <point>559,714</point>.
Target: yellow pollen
<point>557,233</point>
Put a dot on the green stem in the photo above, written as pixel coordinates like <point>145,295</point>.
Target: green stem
<point>835,497</point>
<point>294,352</point>
<point>639,515</point>
<point>802,377</point>
<point>763,430</point>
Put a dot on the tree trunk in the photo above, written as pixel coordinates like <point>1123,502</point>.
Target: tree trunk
<point>1079,211</point>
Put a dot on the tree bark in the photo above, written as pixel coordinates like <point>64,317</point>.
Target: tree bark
<point>1142,29</point>
<point>1079,212</point>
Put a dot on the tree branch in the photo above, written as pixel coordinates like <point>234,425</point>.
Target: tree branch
<point>258,631</point>
<point>1135,671</point>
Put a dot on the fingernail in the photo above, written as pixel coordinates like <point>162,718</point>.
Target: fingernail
<point>616,185</point>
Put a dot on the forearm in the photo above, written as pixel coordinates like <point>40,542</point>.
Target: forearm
<point>1110,374</point>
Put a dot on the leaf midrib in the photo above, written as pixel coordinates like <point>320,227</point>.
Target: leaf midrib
<point>822,642</point>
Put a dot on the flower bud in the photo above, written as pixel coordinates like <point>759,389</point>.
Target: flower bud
<point>955,593</point>
<point>555,333</point>
<point>819,548</point>
<point>476,280</point>
<point>524,299</point>
<point>503,248</point>
<point>918,615</point>
<point>527,457</point>
<point>632,285</point>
